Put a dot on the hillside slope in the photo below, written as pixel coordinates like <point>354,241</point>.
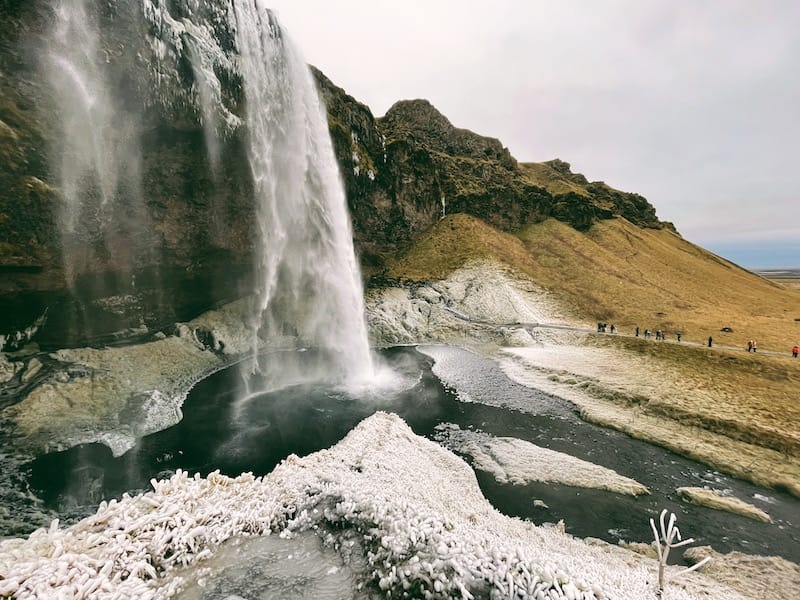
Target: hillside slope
<point>725,407</point>
<point>619,273</point>
<point>404,170</point>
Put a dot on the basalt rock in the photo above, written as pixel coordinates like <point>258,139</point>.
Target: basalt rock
<point>194,252</point>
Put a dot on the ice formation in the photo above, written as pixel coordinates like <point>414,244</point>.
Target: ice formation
<point>716,500</point>
<point>511,460</point>
<point>416,509</point>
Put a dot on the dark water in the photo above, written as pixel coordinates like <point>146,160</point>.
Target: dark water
<point>219,432</point>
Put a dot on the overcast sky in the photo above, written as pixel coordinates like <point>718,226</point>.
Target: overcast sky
<point>694,105</point>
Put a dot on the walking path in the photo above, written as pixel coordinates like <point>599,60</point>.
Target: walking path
<point>529,327</point>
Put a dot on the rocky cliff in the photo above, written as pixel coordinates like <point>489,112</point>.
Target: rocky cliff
<point>189,251</point>
<point>406,170</point>
<point>192,246</point>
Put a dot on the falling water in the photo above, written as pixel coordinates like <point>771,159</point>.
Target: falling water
<point>97,153</point>
<point>87,113</point>
<point>245,84</point>
<point>308,286</point>
<point>309,281</point>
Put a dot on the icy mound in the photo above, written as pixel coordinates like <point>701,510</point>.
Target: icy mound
<point>515,461</point>
<point>415,508</point>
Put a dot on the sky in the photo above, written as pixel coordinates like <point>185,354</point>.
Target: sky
<point>693,104</point>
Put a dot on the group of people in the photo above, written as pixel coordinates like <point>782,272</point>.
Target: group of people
<point>660,335</point>
<point>752,345</point>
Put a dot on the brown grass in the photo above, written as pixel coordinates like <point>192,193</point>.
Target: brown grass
<point>452,242</point>
<point>747,397</point>
<point>617,272</point>
<point>655,279</point>
<point>545,176</point>
<point>789,282</point>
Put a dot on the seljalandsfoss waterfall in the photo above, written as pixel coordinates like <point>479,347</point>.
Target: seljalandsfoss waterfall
<point>307,285</point>
<point>203,397</point>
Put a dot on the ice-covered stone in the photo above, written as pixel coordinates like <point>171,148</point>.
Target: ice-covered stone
<point>713,499</point>
<point>511,460</point>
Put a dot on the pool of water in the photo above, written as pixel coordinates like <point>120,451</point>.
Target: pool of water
<point>221,430</point>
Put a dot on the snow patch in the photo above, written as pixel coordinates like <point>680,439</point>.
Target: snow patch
<point>416,509</point>
<point>511,460</point>
<point>714,499</point>
<point>475,300</point>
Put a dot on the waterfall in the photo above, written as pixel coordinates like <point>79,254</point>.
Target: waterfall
<point>307,273</point>
<point>245,84</point>
<point>96,156</point>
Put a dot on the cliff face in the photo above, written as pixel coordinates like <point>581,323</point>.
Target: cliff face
<point>192,247</point>
<point>404,171</point>
<point>188,247</point>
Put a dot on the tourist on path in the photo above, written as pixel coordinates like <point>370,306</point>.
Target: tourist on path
<point>678,335</point>
<point>755,345</point>
<point>750,345</point>
<point>795,350</point>
<point>709,341</point>
<point>637,331</point>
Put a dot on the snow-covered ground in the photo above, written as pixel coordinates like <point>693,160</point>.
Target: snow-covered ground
<point>713,499</point>
<point>117,395</point>
<point>414,507</point>
<point>437,311</point>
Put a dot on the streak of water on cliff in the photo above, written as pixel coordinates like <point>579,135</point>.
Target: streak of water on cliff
<point>96,158</point>
<point>97,154</point>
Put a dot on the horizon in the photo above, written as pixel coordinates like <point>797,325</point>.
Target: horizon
<point>688,105</point>
<point>764,256</point>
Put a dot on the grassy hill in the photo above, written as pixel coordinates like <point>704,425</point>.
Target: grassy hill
<point>734,410</point>
<point>555,180</point>
<point>619,273</point>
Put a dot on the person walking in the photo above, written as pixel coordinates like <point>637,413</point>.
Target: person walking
<point>755,345</point>
<point>678,335</point>
<point>750,345</point>
<point>795,350</point>
<point>637,331</point>
<point>710,340</point>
